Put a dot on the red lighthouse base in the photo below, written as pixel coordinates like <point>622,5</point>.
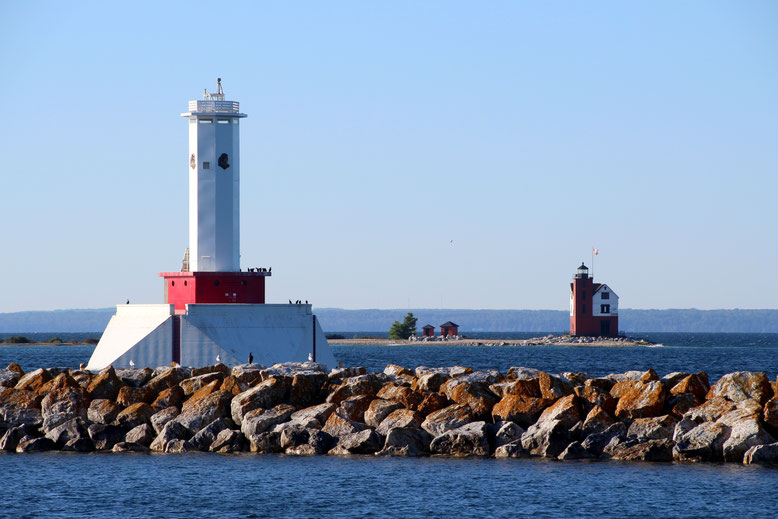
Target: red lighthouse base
<point>183,288</point>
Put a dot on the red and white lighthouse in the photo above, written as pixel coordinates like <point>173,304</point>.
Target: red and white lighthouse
<point>594,307</point>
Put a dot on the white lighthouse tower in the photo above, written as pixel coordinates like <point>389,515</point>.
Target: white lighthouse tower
<point>212,309</point>
<point>214,183</point>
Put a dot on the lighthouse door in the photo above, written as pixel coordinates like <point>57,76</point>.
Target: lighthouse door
<point>605,328</point>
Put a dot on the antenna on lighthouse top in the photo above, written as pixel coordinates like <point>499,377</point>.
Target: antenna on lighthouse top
<point>218,96</point>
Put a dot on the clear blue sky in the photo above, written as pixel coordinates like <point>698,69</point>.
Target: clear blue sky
<point>378,132</point>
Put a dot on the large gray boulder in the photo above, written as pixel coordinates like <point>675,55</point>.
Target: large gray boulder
<point>762,455</point>
<point>160,418</point>
<point>704,442</point>
<point>262,420</point>
<point>469,440</point>
<point>207,435</point>
<point>72,429</point>
<point>447,419</point>
<point>362,442</point>
<point>172,431</point>
<point>143,434</point>
<point>406,441</point>
<point>104,436</point>
<point>268,393</point>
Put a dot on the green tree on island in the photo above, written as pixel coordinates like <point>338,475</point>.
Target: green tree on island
<point>403,330</point>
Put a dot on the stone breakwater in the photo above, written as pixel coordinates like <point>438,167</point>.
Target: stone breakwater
<point>299,409</point>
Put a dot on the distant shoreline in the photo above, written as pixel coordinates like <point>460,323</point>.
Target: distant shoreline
<point>548,340</point>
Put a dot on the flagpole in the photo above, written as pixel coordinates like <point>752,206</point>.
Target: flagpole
<point>592,276</point>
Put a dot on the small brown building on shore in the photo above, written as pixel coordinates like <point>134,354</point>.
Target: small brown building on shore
<point>448,329</point>
<point>428,331</point>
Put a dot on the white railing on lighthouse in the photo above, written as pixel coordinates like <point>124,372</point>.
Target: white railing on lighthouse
<point>214,106</point>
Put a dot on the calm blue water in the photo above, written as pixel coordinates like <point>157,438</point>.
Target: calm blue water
<point>133,485</point>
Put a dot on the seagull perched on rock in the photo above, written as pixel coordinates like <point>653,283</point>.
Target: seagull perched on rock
<point>310,357</point>
<point>132,363</point>
<point>218,358</point>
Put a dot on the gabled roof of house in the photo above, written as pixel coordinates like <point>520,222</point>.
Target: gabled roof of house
<point>427,326</point>
<point>449,323</point>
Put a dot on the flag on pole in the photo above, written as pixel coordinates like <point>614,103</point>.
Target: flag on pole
<point>595,251</point>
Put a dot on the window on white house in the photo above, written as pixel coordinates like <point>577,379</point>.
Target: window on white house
<point>606,295</point>
<point>605,309</point>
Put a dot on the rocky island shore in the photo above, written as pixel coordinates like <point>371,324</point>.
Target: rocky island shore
<point>300,409</point>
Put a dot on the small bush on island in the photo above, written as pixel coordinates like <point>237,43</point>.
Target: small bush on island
<point>53,340</point>
<point>403,330</point>
<point>17,339</point>
<point>334,336</point>
<point>91,341</point>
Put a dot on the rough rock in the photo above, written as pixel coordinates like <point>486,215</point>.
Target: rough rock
<point>400,418</point>
<point>129,447</point>
<point>702,443</point>
<point>649,450</point>
<point>10,439</point>
<point>338,425</point>
<point>104,436</point>
<point>507,432</point>
<point>19,407</point>
<point>207,435</point>
<point>268,393</point>
<point>9,378</point>
<point>550,435</point>
<point>475,395</point>
<point>72,429</point>
<point>575,451</point>
<point>248,374</point>
<point>262,420</point>
<point>711,410</point>
<point>135,415</point>
<point>81,444</point>
<point>597,420</point>
<point>521,373</point>
<point>596,442</point>
<point>644,400</point>
<point>403,394</point>
<point>362,442</point>
<point>430,382</point>
<point>743,435</point>
<point>166,378</point>
<point>511,450</point>
<point>354,407</point>
<point>228,441</point>
<point>190,385</point>
<point>307,388</point>
<point>469,440</point>
<point>60,381</point>
<point>593,396</point>
<point>102,411</point>
<point>762,455</point>
<point>378,410</point>
<point>219,367</point>
<point>233,385</point>
<point>266,442</point>
<point>353,386</point>
<point>30,444</point>
<point>179,447</point>
<point>134,377</point>
<point>319,413</point>
<point>105,385</point>
<point>771,412</point>
<point>656,428</point>
<point>519,408</point>
<point>171,432</point>
<point>406,441</point>
<point>63,404</point>
<point>129,395</point>
<point>344,373</point>
<point>628,376</point>
<point>743,385</point>
<point>432,402</point>
<point>696,385</point>
<point>446,419</point>
<point>143,434</point>
<point>197,413</point>
<point>681,404</point>
<point>160,418</point>
<point>172,396</point>
<point>33,380</point>
<point>553,387</point>
<point>448,372</point>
